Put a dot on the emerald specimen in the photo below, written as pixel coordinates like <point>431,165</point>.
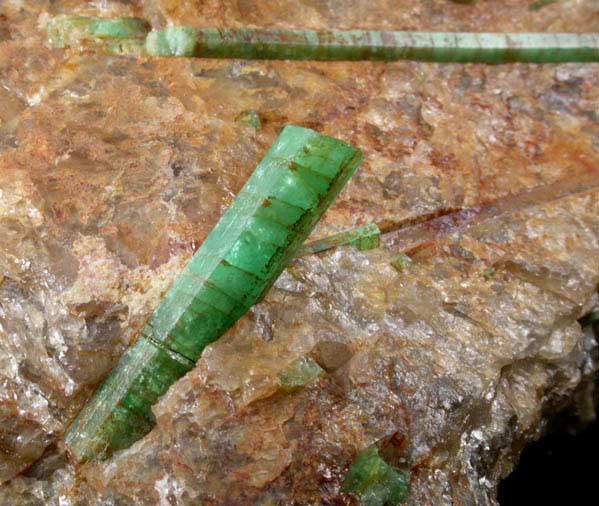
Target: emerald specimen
<point>240,259</point>
<point>373,45</point>
<point>374,481</point>
<point>299,373</point>
<point>401,262</point>
<point>364,238</point>
<point>251,118</point>
<point>125,36</point>
<point>489,272</point>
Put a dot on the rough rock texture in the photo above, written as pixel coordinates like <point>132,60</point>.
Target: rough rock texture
<point>113,170</point>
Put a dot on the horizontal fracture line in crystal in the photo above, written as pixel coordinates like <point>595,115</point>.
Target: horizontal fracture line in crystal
<point>274,212</point>
<point>373,45</point>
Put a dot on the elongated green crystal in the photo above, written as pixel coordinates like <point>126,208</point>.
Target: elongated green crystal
<point>238,262</point>
<point>373,45</point>
<point>363,238</point>
<point>125,36</point>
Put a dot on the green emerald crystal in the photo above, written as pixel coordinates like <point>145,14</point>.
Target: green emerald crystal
<point>251,118</point>
<point>243,255</point>
<point>401,262</point>
<point>299,373</point>
<point>489,272</point>
<point>353,45</point>
<point>460,47</point>
<point>363,238</point>
<point>118,28</point>
<point>374,481</point>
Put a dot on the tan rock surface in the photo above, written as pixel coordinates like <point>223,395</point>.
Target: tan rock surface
<point>113,170</point>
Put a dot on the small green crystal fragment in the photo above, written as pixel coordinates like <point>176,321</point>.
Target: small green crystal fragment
<point>299,373</point>
<point>241,258</point>
<point>489,272</point>
<point>374,481</point>
<point>401,262</point>
<point>251,118</point>
<point>369,237</point>
<point>364,238</point>
<point>539,4</point>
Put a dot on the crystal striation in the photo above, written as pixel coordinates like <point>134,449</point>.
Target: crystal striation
<point>116,35</point>
<point>355,45</point>
<point>241,258</point>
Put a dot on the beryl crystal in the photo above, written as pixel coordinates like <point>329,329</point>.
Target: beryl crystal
<point>251,43</point>
<point>238,262</point>
<point>375,482</point>
<point>128,36</point>
<point>363,238</point>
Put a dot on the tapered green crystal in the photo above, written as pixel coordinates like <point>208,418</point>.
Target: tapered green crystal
<point>240,259</point>
<point>363,238</point>
<point>458,47</point>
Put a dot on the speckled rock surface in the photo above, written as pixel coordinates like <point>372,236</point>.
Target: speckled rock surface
<point>114,169</point>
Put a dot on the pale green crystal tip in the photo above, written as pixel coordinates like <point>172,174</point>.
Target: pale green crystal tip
<point>243,255</point>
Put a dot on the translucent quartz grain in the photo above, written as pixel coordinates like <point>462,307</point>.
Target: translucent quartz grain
<point>238,262</point>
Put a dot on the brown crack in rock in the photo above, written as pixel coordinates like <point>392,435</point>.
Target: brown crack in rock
<point>113,170</point>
